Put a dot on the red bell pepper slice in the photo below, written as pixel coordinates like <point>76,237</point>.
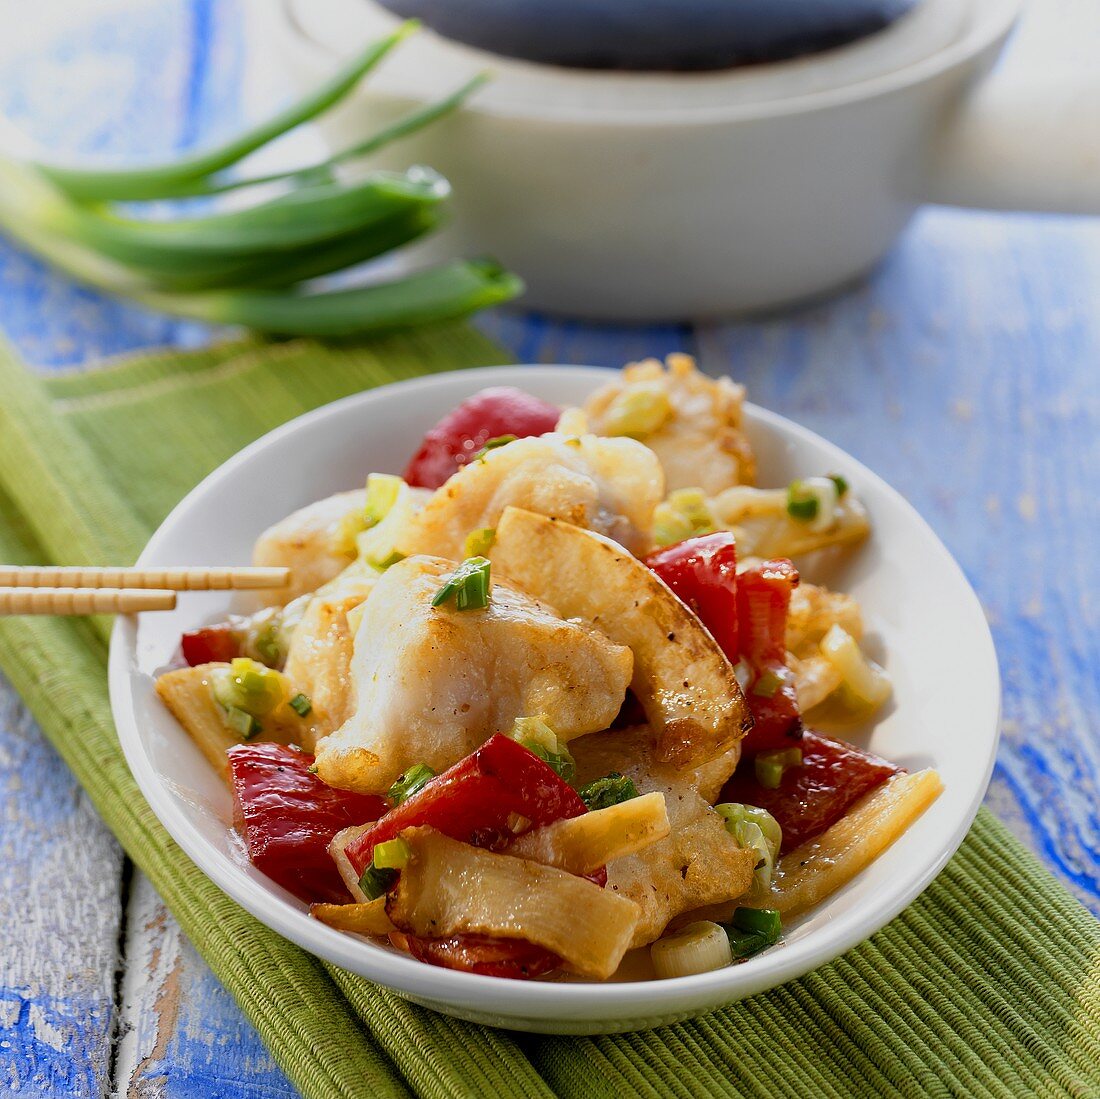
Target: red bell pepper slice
<point>214,644</point>
<point>513,958</point>
<point>499,410</point>
<point>814,796</point>
<point>288,817</point>
<point>476,799</point>
<point>703,573</point>
<point>763,602</point>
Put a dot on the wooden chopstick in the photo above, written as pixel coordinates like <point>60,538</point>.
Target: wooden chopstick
<point>217,578</point>
<point>83,600</point>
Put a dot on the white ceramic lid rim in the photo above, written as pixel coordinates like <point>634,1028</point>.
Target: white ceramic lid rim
<point>537,1001</point>
<point>992,19</point>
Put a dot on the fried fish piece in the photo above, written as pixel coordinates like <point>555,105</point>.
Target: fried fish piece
<point>432,683</point>
<point>607,485</point>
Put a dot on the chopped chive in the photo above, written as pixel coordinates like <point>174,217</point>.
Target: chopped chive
<point>494,444</point>
<point>468,585</point>
<point>376,882</point>
<point>840,482</point>
<point>242,723</point>
<point>610,790</point>
<point>765,921</point>
<point>392,855</point>
<point>801,501</point>
<point>770,767</point>
<point>767,684</point>
<point>411,782</point>
<point>479,542</point>
<point>301,704</point>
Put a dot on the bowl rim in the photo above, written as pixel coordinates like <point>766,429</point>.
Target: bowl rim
<point>532,1003</point>
<point>991,23</point>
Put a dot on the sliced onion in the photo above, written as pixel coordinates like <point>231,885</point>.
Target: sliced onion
<point>697,948</point>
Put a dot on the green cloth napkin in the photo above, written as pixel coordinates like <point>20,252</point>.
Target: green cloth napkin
<point>988,985</point>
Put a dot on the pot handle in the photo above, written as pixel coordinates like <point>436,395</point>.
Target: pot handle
<point>1027,137</point>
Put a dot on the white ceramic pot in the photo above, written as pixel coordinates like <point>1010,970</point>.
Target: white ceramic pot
<point>670,196</point>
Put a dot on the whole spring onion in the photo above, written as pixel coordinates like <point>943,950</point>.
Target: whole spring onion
<point>254,265</point>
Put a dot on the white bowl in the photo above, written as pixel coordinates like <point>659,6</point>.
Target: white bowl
<point>915,598</point>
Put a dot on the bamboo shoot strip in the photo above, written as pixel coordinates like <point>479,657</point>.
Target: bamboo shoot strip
<point>217,578</point>
<point>83,601</point>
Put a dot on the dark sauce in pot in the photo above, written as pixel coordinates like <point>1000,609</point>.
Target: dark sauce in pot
<point>653,35</point>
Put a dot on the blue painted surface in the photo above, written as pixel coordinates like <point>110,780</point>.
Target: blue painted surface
<point>964,372</point>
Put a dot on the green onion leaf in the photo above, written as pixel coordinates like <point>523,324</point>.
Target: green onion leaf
<point>752,930</point>
<point>767,683</point>
<point>610,790</point>
<point>840,482</point>
<point>179,176</point>
<point>411,782</point>
<point>392,854</point>
<point>493,444</point>
<point>242,723</point>
<point>301,704</point>
<point>377,883</point>
<point>801,502</point>
<point>468,586</point>
<point>537,737</point>
<point>770,767</point>
<point>479,542</point>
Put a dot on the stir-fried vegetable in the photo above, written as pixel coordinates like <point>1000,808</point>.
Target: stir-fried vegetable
<point>756,829</point>
<point>414,779</point>
<point>467,587</point>
<point>251,265</point>
<point>537,736</point>
<point>288,817</point>
<point>697,948</point>
<point>610,790</point>
<point>752,930</point>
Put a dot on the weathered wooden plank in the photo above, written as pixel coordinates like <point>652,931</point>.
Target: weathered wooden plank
<point>965,374</point>
<point>59,921</point>
<point>180,1033</point>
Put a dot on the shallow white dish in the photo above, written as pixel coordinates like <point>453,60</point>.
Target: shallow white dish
<point>915,598</point>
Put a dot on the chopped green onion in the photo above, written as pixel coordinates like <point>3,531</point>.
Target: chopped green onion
<point>752,930</point>
<point>377,883</point>
<point>479,542</point>
<point>301,704</point>
<point>770,767</point>
<point>494,444</point>
<point>411,782</point>
<point>756,829</point>
<point>840,482</point>
<point>801,502</point>
<point>389,561</point>
<point>767,683</point>
<point>765,921</point>
<point>242,723</point>
<point>685,514</point>
<point>610,790</point>
<point>392,854</point>
<point>250,686</point>
<point>382,490</point>
<point>468,586</point>
<point>637,411</point>
<point>536,736</point>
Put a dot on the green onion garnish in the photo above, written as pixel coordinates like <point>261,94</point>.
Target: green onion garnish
<point>752,930</point>
<point>771,766</point>
<point>301,704</point>
<point>377,883</point>
<point>479,542</point>
<point>767,684</point>
<point>802,503</point>
<point>254,265</point>
<point>468,586</point>
<point>494,444</point>
<point>412,781</point>
<point>242,723</point>
<point>537,737</point>
<point>392,855</point>
<point>607,791</point>
<point>382,490</point>
<point>840,482</point>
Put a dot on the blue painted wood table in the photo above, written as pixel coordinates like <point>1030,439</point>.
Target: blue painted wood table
<point>965,372</point>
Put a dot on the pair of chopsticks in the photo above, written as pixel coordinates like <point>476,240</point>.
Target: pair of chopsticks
<point>61,589</point>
